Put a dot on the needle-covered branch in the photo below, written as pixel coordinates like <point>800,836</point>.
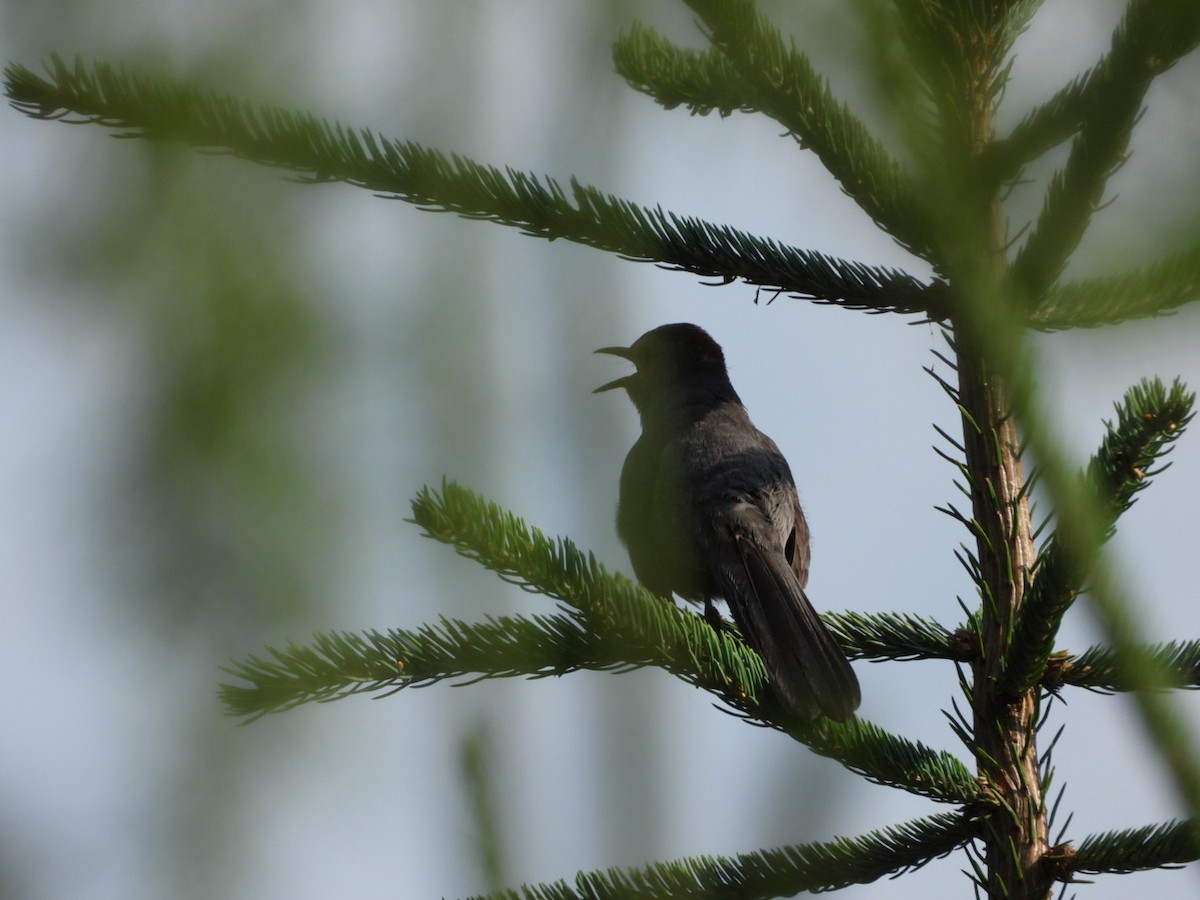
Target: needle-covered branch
<point>538,206</point>
<point>1150,39</point>
<point>649,629</point>
<point>769,873</point>
<point>1149,419</point>
<point>1157,289</point>
<point>1168,845</point>
<point>704,81</point>
<point>895,636</point>
<point>656,632</point>
<point>784,86</point>
<point>1175,664</point>
<point>889,759</point>
<point>1044,127</point>
<point>608,624</point>
<point>340,665</point>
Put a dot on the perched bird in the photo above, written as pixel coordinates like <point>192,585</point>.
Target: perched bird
<point>708,509</point>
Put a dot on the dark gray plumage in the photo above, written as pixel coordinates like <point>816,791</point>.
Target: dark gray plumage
<point>708,509</point>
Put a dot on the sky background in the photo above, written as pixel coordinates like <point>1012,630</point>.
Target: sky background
<point>222,389</point>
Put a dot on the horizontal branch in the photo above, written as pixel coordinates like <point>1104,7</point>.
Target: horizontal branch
<point>538,206</point>
<point>893,636</point>
<point>686,645</point>
<point>1135,849</point>
<point>889,759</point>
<point>338,665</point>
<point>768,873</point>
<point>607,623</point>
<point>1175,664</point>
<point>1157,289</point>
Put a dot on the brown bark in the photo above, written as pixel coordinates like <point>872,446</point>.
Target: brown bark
<point>1005,739</point>
<point>1006,754</point>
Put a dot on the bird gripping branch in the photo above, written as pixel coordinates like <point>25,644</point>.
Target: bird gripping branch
<point>708,509</point>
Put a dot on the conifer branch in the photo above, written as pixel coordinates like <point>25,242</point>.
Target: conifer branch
<point>343,664</point>
<point>1150,39</point>
<point>1175,664</point>
<point>703,81</point>
<point>647,627</point>
<point>895,636</point>
<point>1044,128</point>
<point>538,206</point>
<point>651,631</point>
<point>770,873</point>
<point>1149,419</point>
<point>784,86</point>
<point>1157,289</point>
<point>608,624</point>
<point>888,759</point>
<point>1168,845</point>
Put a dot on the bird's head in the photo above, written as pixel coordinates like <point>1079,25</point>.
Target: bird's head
<point>678,367</point>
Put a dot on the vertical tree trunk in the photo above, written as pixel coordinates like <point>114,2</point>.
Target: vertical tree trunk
<point>1006,744</point>
<point>1004,727</point>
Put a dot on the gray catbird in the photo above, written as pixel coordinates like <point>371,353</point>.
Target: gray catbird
<point>708,509</point>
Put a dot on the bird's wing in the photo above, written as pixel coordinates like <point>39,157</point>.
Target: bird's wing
<point>796,548</point>
<point>806,665</point>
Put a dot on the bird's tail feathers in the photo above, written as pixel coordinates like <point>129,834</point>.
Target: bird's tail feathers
<point>806,665</point>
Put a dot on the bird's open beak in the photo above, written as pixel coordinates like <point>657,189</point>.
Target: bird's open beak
<point>623,352</point>
<point>623,382</point>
